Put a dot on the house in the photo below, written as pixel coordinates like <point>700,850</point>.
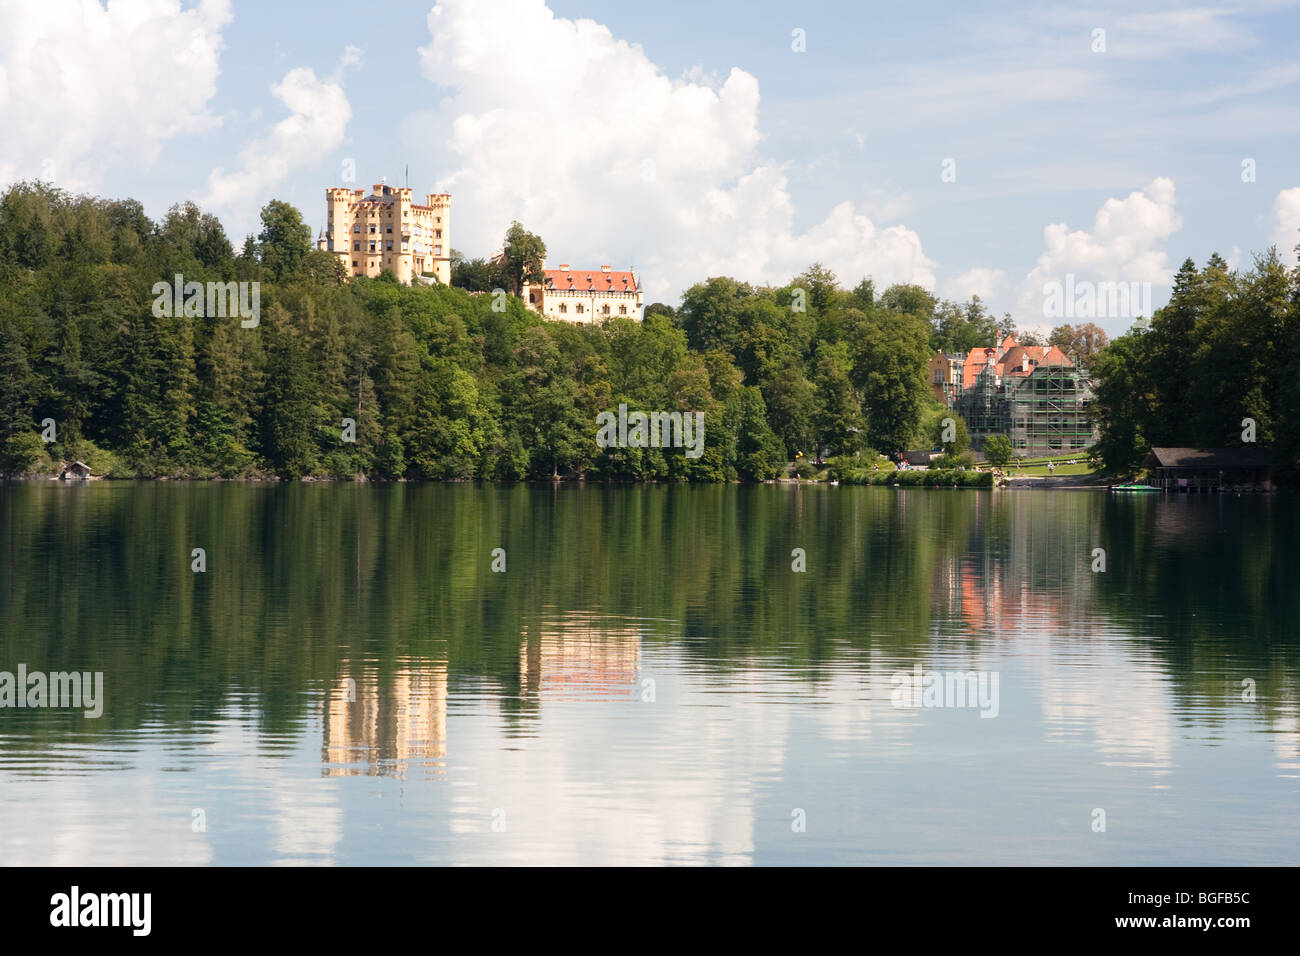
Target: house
<point>1033,394</point>
<point>586,295</point>
<point>944,376</point>
<point>1210,469</point>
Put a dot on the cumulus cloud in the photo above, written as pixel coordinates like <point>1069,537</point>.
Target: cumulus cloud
<point>980,281</point>
<point>317,121</point>
<point>86,88</point>
<point>584,139</point>
<point>1286,224</point>
<point>1126,245</point>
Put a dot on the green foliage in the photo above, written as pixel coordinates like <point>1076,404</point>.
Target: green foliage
<point>436,384</point>
<point>939,431</point>
<point>1225,349</point>
<point>998,450</point>
<point>22,453</point>
<point>284,242</point>
<point>917,478</point>
<point>522,255</point>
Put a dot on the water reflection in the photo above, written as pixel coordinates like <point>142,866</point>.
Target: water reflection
<point>349,682</point>
<point>379,725</point>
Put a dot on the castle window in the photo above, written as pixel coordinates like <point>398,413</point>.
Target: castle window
<point>437,233</point>
<point>356,246</point>
<point>437,250</point>
<point>622,310</point>
<point>390,245</point>
<point>579,309</point>
<point>605,310</point>
<point>357,227</point>
<point>564,308</point>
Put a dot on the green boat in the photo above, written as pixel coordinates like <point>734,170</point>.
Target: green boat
<point>1135,487</point>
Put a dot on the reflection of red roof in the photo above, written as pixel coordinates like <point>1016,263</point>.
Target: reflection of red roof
<point>590,280</point>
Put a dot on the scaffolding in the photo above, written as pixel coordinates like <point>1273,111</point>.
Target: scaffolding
<point>1050,411</point>
<point>1045,412</point>
<point>983,405</point>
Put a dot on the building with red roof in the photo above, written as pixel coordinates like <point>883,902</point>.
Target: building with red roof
<point>1033,394</point>
<point>587,295</point>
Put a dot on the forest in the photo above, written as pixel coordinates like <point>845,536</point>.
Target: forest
<point>1218,366</point>
<point>371,379</point>
<point>438,382</point>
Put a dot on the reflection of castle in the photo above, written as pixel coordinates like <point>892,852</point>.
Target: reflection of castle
<point>580,655</point>
<point>376,730</point>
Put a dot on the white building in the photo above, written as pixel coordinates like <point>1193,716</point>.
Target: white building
<point>587,295</point>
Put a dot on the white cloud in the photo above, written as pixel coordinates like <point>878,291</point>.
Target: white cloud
<point>318,118</point>
<point>1174,32</point>
<point>1286,224</point>
<point>583,138</point>
<point>85,89</point>
<point>1126,244</point>
<point>980,281</point>
<point>353,58</point>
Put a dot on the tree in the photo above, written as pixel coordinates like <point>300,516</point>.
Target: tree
<point>821,285</point>
<point>1080,342</point>
<point>522,256</point>
<point>284,241</point>
<point>288,418</point>
<point>474,275</point>
<point>1124,402</point>
<point>958,329</point>
<point>890,357</point>
<point>998,450</point>
<point>909,299</point>
<point>960,436</point>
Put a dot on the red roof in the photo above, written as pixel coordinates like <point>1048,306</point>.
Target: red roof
<point>1012,363</point>
<point>590,280</point>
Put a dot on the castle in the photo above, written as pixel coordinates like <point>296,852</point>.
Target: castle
<point>387,230</point>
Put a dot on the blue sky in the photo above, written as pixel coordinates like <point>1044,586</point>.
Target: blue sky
<point>690,139</point>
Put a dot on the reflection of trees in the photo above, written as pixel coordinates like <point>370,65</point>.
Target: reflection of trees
<point>303,580</point>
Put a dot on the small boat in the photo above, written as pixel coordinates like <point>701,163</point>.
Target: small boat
<point>1135,487</point>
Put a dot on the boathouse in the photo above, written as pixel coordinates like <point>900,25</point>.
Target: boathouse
<point>1210,469</point>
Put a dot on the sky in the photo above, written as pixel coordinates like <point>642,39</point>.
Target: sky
<point>988,151</point>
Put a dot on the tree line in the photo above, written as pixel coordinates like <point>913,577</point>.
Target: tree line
<point>457,382</point>
<point>438,382</point>
<point>1219,366</point>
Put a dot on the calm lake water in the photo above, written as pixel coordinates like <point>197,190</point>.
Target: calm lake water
<point>648,680</point>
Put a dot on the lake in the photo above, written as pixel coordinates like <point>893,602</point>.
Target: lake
<point>340,676</point>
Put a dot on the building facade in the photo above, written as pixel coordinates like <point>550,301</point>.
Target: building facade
<point>587,295</point>
<point>1035,395</point>
<point>944,376</point>
<point>387,230</point>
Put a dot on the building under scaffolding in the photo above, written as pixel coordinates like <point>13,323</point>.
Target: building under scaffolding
<point>1043,407</point>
